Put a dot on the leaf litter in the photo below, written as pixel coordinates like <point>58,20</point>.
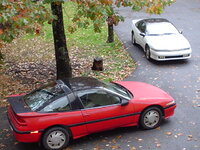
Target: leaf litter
<point>28,63</point>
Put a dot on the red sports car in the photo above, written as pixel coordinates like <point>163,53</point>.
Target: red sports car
<point>72,108</point>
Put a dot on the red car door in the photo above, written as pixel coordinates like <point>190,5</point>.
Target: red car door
<point>104,111</point>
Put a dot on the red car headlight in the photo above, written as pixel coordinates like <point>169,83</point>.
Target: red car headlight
<point>171,103</point>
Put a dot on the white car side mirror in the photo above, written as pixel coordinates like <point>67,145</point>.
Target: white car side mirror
<point>142,34</point>
<point>181,31</point>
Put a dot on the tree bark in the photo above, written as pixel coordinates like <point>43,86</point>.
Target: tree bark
<point>97,64</point>
<point>110,30</point>
<point>1,56</point>
<point>61,53</point>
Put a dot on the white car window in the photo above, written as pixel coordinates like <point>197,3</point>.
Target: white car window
<point>161,28</point>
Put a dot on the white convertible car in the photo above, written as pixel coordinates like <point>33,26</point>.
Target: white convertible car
<point>160,39</point>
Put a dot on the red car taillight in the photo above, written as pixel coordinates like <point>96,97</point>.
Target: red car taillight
<point>19,120</point>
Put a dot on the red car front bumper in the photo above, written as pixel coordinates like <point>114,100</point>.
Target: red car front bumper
<point>169,111</point>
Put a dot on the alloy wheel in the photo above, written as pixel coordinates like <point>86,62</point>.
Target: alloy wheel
<point>56,139</point>
<point>151,118</point>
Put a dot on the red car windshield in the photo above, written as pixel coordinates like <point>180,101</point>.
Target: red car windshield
<point>39,97</point>
<point>119,89</point>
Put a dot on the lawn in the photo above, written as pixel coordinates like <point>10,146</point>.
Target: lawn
<point>29,60</point>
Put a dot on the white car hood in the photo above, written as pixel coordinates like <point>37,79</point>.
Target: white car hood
<point>168,42</point>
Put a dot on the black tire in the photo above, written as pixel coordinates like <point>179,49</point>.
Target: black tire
<point>151,118</point>
<point>60,136</point>
<point>147,52</point>
<point>133,38</point>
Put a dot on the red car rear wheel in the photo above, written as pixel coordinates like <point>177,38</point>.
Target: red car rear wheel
<point>55,138</point>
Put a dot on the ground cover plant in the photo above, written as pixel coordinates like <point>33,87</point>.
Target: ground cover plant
<point>29,60</point>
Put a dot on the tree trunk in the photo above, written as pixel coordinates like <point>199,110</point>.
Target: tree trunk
<point>62,57</point>
<point>1,56</point>
<point>97,64</point>
<point>110,30</point>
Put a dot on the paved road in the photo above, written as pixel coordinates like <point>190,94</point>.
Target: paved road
<point>179,78</point>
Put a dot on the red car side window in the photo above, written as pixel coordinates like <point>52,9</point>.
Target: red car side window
<point>59,105</point>
<point>98,98</point>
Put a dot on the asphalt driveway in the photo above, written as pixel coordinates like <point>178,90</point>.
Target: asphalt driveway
<point>179,78</point>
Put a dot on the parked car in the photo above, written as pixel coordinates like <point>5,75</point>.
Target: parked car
<point>72,108</point>
<point>160,39</point>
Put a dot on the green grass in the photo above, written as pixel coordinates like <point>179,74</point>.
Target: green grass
<point>83,46</point>
<point>82,37</point>
<point>118,63</point>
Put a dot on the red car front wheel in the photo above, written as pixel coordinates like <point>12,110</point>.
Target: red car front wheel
<point>151,118</point>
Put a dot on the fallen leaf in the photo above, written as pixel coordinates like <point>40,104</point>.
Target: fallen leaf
<point>168,133</point>
<point>179,134</point>
<point>158,128</point>
<point>119,137</point>
<point>1,31</point>
<point>68,149</point>
<point>158,145</point>
<point>2,145</point>
<point>114,147</point>
<point>190,136</point>
<point>133,148</point>
<point>140,140</point>
<point>114,141</point>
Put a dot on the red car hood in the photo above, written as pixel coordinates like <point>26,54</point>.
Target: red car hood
<point>144,91</point>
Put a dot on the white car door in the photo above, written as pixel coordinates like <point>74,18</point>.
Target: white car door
<point>140,28</point>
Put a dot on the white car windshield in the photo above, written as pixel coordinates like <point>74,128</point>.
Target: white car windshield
<point>162,28</point>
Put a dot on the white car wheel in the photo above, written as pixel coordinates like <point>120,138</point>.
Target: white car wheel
<point>147,52</point>
<point>133,38</point>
